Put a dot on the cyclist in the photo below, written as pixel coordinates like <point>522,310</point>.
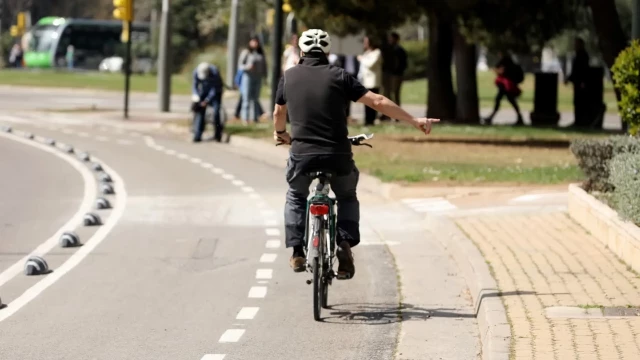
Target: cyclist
<point>315,95</point>
<point>206,91</point>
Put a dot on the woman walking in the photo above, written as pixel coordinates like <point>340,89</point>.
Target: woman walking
<point>253,64</point>
<point>370,75</point>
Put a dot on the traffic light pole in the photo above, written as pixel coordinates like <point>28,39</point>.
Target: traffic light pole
<point>127,72</point>
<point>164,58</point>
<point>277,50</point>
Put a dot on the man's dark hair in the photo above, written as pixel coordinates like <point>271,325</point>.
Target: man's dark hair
<point>395,36</point>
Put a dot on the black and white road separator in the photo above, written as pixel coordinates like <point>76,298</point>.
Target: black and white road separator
<point>104,177</point>
<point>102,203</point>
<point>107,189</point>
<point>84,156</point>
<point>69,239</point>
<point>91,219</point>
<point>50,142</point>
<point>29,136</point>
<point>7,129</point>
<point>35,265</point>
<point>96,166</point>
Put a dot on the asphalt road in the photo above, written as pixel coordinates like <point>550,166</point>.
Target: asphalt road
<point>190,262</point>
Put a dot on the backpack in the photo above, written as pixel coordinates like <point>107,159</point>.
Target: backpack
<point>518,74</point>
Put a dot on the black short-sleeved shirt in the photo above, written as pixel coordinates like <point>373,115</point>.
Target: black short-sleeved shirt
<point>317,95</point>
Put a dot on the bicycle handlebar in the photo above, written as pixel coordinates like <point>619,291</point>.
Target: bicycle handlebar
<point>355,140</point>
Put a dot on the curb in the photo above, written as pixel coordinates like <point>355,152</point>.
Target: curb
<point>494,328</point>
<point>604,223</point>
<point>495,332</point>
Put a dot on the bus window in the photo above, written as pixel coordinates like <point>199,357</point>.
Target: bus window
<point>43,38</point>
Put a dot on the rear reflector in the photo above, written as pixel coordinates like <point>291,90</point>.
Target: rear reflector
<point>319,209</point>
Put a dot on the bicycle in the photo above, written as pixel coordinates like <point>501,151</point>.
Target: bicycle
<point>320,238</point>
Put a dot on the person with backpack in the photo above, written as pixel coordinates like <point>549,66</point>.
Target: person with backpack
<point>510,75</point>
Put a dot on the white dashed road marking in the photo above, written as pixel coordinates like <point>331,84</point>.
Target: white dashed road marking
<point>238,182</point>
<point>268,258</point>
<point>213,357</point>
<point>262,274</point>
<point>231,335</point>
<point>257,292</point>
<point>247,313</point>
<point>273,244</point>
<point>247,189</point>
<point>228,176</point>
<point>272,232</point>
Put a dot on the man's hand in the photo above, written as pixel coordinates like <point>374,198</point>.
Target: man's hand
<point>424,124</point>
<point>284,138</point>
<point>203,103</point>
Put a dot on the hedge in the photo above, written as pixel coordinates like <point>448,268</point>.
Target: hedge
<point>626,76</point>
<point>625,177</point>
<point>594,156</point>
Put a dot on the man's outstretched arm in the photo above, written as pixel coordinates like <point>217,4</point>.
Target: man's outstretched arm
<point>382,104</point>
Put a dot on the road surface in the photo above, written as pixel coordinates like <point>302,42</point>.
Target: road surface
<point>190,262</point>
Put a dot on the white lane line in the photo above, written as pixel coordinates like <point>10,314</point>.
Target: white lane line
<point>271,223</point>
<point>247,313</point>
<point>217,171</point>
<point>257,292</point>
<point>272,232</point>
<point>238,182</point>
<point>149,141</point>
<point>158,147</point>
<point>268,258</point>
<point>206,165</point>
<point>272,244</point>
<point>262,274</point>
<point>228,176</point>
<point>83,134</point>
<point>80,254</point>
<point>561,196</point>
<point>195,160</point>
<point>124,142</point>
<point>254,196</point>
<point>183,156</point>
<point>231,335</point>
<point>213,357</point>
<point>263,282</point>
<point>102,138</point>
<point>170,152</point>
<point>247,189</point>
<point>67,131</point>
<point>89,194</point>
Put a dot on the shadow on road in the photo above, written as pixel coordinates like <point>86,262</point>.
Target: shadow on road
<point>386,313</point>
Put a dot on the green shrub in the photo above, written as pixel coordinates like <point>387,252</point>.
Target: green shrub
<point>417,59</point>
<point>594,156</point>
<point>626,75</point>
<point>625,177</point>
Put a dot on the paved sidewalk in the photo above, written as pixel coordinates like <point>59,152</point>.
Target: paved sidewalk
<point>545,261</point>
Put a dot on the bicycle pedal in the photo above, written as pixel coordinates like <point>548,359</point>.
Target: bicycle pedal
<point>309,282</point>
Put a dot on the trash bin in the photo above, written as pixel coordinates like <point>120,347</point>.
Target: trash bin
<point>545,100</point>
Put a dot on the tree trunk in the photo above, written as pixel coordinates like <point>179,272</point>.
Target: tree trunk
<point>606,21</point>
<point>465,57</point>
<point>611,37</point>
<point>441,101</point>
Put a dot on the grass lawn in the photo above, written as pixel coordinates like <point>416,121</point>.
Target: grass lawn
<point>413,92</point>
<point>461,155</point>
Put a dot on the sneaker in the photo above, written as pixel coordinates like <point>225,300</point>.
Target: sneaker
<point>346,268</point>
<point>297,263</point>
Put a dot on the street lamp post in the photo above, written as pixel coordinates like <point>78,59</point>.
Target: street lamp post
<point>277,50</point>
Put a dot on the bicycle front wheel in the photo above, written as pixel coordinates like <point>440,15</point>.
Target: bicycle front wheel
<point>318,289</point>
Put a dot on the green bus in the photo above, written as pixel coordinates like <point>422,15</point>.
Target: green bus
<point>92,40</point>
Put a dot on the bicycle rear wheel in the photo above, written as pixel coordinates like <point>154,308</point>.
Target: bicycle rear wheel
<point>318,288</point>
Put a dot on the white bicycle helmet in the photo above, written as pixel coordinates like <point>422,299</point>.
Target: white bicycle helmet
<point>315,40</point>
